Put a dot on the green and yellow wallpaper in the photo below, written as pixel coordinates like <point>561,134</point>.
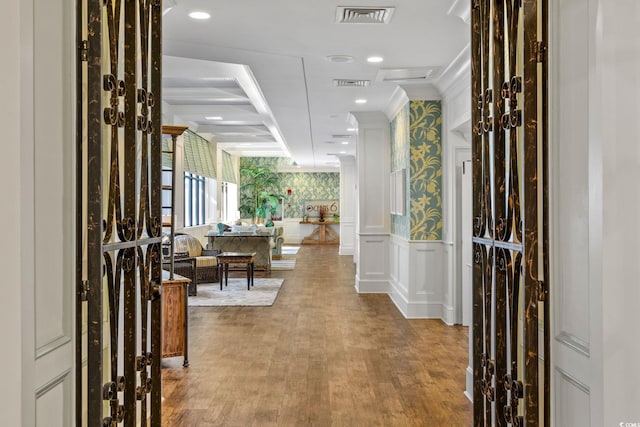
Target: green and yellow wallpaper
<point>400,159</point>
<point>426,170</point>
<point>303,185</point>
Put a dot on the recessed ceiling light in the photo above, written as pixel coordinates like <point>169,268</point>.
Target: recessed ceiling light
<point>345,142</point>
<point>361,101</point>
<point>198,14</point>
<point>343,152</point>
<point>340,58</point>
<point>213,118</point>
<point>375,59</point>
<point>351,129</point>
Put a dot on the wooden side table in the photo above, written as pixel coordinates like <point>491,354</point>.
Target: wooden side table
<point>226,258</point>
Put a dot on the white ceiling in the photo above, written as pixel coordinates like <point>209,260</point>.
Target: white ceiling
<point>262,67</point>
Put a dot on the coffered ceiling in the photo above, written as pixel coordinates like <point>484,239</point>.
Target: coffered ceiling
<point>281,77</point>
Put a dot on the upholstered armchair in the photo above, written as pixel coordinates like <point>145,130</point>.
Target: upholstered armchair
<point>206,264</point>
<point>278,240</point>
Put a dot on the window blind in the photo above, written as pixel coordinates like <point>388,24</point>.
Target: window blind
<point>228,174</point>
<point>198,158</point>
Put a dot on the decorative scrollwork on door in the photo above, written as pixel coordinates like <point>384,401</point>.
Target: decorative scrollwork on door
<point>510,309</point>
<point>119,208</point>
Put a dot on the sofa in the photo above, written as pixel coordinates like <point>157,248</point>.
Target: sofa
<point>260,243</point>
<point>278,240</point>
<point>206,263</point>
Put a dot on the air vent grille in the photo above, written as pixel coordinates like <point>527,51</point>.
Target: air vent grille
<point>351,83</point>
<point>364,15</point>
<point>341,136</point>
<point>418,74</point>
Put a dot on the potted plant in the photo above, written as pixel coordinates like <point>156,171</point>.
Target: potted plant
<point>259,193</point>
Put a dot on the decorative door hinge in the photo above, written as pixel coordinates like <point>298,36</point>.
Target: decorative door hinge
<point>540,51</point>
<point>542,291</point>
<point>83,290</point>
<point>84,50</point>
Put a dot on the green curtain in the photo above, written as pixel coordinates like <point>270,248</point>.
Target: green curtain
<point>198,158</point>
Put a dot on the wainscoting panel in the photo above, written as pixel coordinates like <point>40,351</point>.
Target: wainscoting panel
<point>347,233</point>
<point>417,278</point>
<point>50,408</point>
<point>372,272</point>
<point>572,401</point>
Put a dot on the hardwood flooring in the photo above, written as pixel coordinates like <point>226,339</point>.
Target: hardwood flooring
<point>322,355</point>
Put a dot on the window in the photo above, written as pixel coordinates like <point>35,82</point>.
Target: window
<point>194,199</point>
<point>229,202</point>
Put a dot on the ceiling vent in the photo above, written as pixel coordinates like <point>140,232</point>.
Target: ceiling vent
<point>351,83</point>
<point>418,74</point>
<point>341,136</point>
<point>364,15</point>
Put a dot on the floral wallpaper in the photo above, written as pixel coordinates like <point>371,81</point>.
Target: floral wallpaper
<point>308,186</point>
<point>400,159</point>
<point>274,162</point>
<point>303,185</point>
<point>426,170</point>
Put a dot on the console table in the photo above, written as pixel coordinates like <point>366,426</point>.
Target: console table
<point>321,235</point>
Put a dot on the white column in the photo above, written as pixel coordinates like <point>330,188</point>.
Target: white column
<point>373,212</point>
<point>348,199</point>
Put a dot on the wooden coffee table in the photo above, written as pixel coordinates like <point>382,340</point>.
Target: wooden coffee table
<point>226,258</point>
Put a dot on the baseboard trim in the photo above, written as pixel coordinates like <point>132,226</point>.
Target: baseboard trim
<point>415,310</point>
<point>347,250</point>
<point>449,315</point>
<point>469,391</point>
<point>372,286</point>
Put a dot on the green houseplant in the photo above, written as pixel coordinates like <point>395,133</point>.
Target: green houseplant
<point>259,192</point>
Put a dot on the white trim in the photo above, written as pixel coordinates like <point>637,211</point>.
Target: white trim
<point>398,100</point>
<point>371,286</point>
<point>456,68</point>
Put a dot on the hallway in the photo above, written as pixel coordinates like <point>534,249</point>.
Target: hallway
<point>322,355</point>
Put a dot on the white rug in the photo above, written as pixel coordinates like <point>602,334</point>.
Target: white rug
<point>290,250</point>
<point>283,264</point>
<point>263,293</point>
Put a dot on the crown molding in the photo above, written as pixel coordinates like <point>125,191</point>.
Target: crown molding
<point>461,9</point>
<point>398,100</point>
<point>457,69</point>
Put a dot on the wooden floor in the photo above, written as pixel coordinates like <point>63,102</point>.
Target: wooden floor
<point>322,355</point>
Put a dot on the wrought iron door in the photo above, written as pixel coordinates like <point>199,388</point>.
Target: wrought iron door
<point>119,210</point>
<point>510,307</point>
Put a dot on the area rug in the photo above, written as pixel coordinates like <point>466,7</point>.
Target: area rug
<point>290,250</point>
<point>283,264</point>
<point>263,294</point>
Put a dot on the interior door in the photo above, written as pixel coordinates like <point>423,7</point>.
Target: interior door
<point>48,217</point>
